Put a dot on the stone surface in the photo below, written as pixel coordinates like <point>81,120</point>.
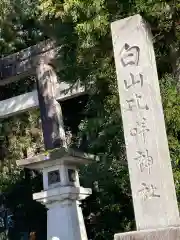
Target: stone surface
<point>62,168</point>
<point>152,183</point>
<point>24,102</point>
<point>65,222</point>
<point>22,63</point>
<point>62,191</point>
<point>61,198</point>
<point>56,156</point>
<point>171,233</point>
<point>64,216</point>
<point>60,194</point>
<point>50,109</point>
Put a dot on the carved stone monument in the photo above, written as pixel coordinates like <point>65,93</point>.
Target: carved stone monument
<point>152,184</point>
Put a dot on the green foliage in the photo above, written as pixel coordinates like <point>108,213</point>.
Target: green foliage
<point>171,100</point>
<point>94,66</point>
<point>83,28</point>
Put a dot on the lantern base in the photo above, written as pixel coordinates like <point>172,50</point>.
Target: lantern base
<point>64,216</point>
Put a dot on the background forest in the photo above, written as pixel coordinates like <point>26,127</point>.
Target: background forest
<point>82,27</point>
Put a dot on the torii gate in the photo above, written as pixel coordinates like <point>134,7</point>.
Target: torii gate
<point>62,190</point>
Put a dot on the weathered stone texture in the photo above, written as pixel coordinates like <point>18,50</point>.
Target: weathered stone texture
<point>172,233</point>
<point>152,183</point>
<point>21,63</point>
<point>50,109</point>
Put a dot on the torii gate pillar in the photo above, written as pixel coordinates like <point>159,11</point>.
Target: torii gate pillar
<point>62,191</point>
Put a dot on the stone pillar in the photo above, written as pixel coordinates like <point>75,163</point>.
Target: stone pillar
<point>51,114</point>
<point>62,192</point>
<point>152,184</point>
<point>65,218</point>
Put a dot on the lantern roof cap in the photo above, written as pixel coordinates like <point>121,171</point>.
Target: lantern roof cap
<point>57,156</point>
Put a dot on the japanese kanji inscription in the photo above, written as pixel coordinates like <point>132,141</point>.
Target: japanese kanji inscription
<point>136,102</point>
<point>144,128</point>
<point>129,55</point>
<point>148,191</point>
<point>134,79</point>
<point>141,129</point>
<point>145,161</point>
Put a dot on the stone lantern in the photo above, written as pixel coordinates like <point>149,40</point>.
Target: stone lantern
<point>62,191</point>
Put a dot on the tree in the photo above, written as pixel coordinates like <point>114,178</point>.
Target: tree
<point>83,28</point>
<point>20,135</point>
<point>92,62</point>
